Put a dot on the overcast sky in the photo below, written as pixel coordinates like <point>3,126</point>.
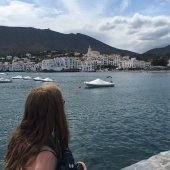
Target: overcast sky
<point>135,25</point>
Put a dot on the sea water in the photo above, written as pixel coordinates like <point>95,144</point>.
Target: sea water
<point>110,128</point>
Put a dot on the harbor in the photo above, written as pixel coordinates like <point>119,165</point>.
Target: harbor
<point>110,127</point>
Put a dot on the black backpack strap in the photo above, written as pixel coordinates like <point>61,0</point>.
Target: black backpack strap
<point>67,162</point>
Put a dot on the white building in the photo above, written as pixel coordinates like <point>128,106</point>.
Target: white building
<point>6,66</point>
<point>48,64</point>
<point>18,66</point>
<point>89,65</point>
<point>38,66</point>
<point>95,59</point>
<point>168,63</point>
<point>9,57</point>
<point>15,59</point>
<point>114,59</point>
<point>92,54</point>
<point>60,63</point>
<point>28,55</point>
<point>29,66</point>
<point>132,63</point>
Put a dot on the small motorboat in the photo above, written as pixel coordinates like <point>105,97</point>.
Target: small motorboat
<point>5,80</point>
<point>99,83</point>
<point>17,77</point>
<point>47,80</point>
<point>37,79</point>
<point>27,78</point>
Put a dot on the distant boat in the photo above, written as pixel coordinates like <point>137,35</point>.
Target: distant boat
<point>17,77</point>
<point>47,80</point>
<point>99,83</point>
<point>109,77</point>
<point>37,79</point>
<point>5,80</point>
<point>2,73</point>
<point>27,78</point>
<point>41,79</point>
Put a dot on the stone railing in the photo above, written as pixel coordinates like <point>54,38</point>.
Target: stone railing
<point>157,162</point>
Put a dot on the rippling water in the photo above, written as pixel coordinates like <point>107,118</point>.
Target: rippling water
<point>111,128</point>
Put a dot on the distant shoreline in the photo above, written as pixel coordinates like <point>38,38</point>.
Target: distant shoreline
<point>139,71</point>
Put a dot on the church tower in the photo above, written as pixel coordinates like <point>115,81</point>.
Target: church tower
<point>89,51</point>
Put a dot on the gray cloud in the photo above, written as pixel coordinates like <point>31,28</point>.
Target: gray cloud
<point>131,31</point>
<point>161,21</point>
<point>107,26</point>
<point>139,21</point>
<point>138,32</point>
<point>155,34</point>
<point>113,23</point>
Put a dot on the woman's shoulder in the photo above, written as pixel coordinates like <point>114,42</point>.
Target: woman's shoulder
<point>46,159</point>
<point>46,153</point>
<point>47,150</point>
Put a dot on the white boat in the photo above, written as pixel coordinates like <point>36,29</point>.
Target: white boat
<point>37,79</point>
<point>17,77</point>
<point>27,78</point>
<point>99,83</point>
<point>47,80</point>
<point>5,80</point>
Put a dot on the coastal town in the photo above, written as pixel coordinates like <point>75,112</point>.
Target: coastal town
<point>89,62</point>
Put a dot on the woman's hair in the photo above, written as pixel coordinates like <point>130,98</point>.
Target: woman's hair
<point>44,122</point>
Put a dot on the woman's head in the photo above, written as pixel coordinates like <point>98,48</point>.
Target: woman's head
<point>44,118</point>
<point>44,114</point>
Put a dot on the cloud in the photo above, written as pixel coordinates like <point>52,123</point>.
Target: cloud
<point>72,17</point>
<point>107,26</point>
<point>137,32</point>
<point>18,13</point>
<point>156,34</point>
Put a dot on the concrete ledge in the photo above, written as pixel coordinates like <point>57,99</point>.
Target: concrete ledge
<point>156,162</point>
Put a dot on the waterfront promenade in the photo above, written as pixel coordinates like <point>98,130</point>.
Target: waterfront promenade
<point>156,162</point>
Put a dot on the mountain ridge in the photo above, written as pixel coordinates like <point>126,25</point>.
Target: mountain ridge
<point>17,40</point>
<point>25,39</point>
<point>159,51</point>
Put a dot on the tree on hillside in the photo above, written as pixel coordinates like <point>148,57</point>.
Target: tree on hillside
<point>159,62</point>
